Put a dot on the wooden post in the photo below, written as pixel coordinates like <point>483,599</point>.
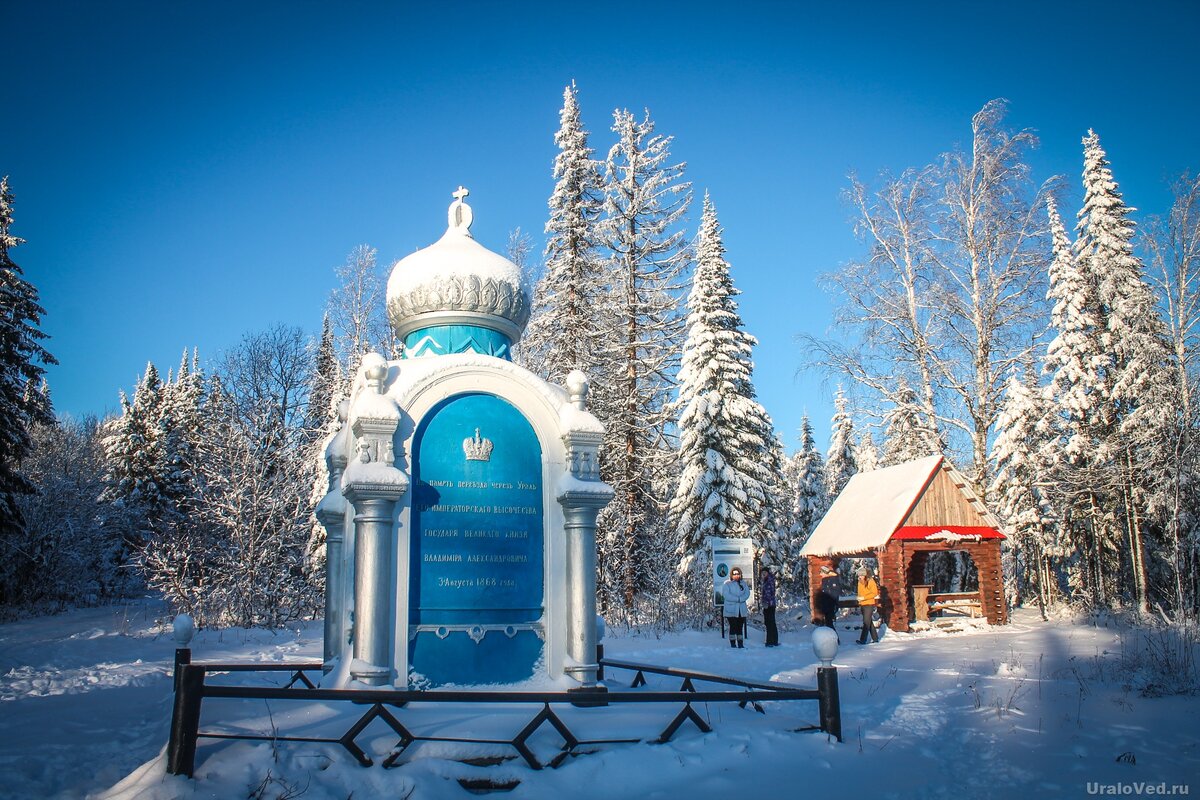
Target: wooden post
<point>921,602</point>
<point>185,721</point>
<point>831,709</point>
<point>183,655</point>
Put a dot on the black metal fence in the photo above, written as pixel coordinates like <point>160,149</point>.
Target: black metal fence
<point>192,688</point>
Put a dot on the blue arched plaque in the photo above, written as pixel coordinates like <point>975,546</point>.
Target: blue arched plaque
<point>476,587</point>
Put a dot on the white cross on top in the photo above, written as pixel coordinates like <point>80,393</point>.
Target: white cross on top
<point>460,193</point>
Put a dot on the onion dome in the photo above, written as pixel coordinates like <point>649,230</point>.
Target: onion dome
<point>457,296</point>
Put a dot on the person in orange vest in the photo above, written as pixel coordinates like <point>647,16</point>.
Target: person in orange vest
<point>868,598</point>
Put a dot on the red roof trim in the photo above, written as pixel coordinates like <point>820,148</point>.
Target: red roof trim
<point>910,532</point>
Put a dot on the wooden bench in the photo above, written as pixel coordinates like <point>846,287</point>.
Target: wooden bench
<point>966,603</point>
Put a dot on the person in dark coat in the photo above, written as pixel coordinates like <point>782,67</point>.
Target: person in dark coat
<point>767,600</point>
<point>829,594</point>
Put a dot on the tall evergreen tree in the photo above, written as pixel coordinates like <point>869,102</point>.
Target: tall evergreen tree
<point>645,200</point>
<point>135,455</point>
<point>811,493</point>
<point>22,366</point>
<point>567,329</point>
<point>841,464</point>
<point>867,453</point>
<point>1142,399</point>
<point>727,453</point>
<point>327,391</point>
<point>1018,490</point>
<point>1078,365</point>
<point>906,435</point>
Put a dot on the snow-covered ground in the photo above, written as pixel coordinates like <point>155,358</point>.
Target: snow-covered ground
<point>1028,710</point>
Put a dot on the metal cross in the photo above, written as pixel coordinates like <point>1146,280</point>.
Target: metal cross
<point>460,194</point>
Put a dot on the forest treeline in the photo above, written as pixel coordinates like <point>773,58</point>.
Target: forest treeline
<point>1055,366</point>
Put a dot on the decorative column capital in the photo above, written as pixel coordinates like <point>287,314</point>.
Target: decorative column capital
<point>581,486</point>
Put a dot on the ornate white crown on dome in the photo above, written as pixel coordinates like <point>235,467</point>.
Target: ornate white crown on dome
<point>457,281</point>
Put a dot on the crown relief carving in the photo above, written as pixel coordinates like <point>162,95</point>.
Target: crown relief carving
<point>477,448</point>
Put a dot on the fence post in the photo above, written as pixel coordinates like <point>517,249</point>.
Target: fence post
<point>185,720</point>
<point>183,655</point>
<point>831,710</point>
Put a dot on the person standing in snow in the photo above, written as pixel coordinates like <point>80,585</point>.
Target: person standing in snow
<point>736,594</point>
<point>828,595</point>
<point>767,595</point>
<point>868,597</point>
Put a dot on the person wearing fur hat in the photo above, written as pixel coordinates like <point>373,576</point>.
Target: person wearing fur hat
<point>868,598</point>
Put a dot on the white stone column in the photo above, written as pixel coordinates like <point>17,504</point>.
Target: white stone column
<point>374,534</point>
<point>331,513</point>
<point>581,494</point>
<point>373,485</point>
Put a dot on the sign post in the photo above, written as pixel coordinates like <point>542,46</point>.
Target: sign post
<point>725,556</point>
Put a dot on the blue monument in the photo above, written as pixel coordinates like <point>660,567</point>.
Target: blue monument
<point>463,492</point>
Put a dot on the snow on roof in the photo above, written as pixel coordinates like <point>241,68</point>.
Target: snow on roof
<point>870,508</point>
<point>456,253</point>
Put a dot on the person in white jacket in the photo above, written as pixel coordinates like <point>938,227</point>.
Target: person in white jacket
<point>736,593</point>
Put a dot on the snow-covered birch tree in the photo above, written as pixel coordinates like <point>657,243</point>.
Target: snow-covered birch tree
<point>1173,245</point>
<point>356,309</point>
<point>947,300</point>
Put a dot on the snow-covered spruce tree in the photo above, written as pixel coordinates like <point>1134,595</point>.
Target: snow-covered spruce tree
<point>179,430</point>
<point>906,436</point>
<point>811,497</point>
<point>1077,363</point>
<point>135,458</point>
<point>867,453</point>
<point>727,442</point>
<point>327,391</point>
<point>1018,492</point>
<point>645,200</point>
<point>22,367</point>
<point>157,445</point>
<point>841,465</point>
<point>569,328</point>
<point>1141,379</point>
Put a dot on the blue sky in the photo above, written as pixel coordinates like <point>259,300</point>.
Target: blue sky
<point>188,172</point>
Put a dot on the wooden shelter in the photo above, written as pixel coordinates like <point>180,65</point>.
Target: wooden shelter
<point>901,514</point>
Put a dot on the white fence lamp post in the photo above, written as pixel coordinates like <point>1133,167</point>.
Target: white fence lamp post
<point>825,647</point>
